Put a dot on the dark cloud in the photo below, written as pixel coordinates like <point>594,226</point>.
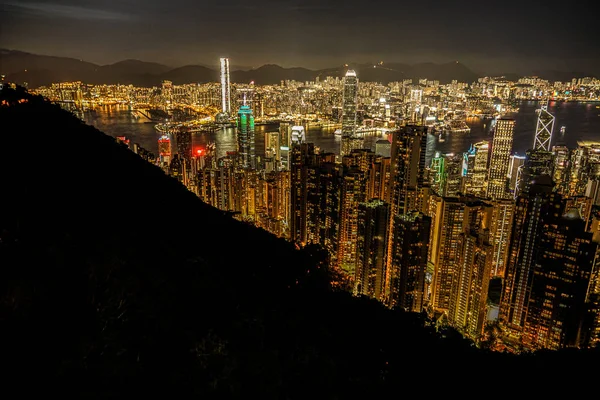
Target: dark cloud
<point>49,10</point>
<point>488,36</point>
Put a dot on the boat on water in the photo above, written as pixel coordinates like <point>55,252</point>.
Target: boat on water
<point>441,138</point>
<point>338,132</point>
<point>563,129</point>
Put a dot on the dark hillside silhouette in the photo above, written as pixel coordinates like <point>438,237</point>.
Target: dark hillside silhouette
<point>115,281</point>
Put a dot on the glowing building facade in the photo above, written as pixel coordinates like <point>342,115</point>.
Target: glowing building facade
<point>373,217</point>
<point>225,87</point>
<point>349,106</point>
<point>500,159</point>
<point>245,138</point>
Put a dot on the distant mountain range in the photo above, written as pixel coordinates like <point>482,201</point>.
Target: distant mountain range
<point>40,70</point>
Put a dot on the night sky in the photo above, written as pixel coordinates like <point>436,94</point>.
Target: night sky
<point>488,36</point>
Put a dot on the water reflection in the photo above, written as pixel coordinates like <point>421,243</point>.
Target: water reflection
<point>582,122</point>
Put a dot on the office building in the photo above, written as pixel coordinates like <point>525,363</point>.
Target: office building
<point>225,87</point>
<point>543,129</point>
<point>514,170</point>
<point>537,163</point>
<point>349,108</point>
<point>500,159</point>
<point>560,173</point>
<point>245,138</point>
<point>475,169</point>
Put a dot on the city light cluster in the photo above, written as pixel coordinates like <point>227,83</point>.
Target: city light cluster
<point>424,236</point>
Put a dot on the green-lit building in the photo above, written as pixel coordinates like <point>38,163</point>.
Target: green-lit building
<point>245,138</point>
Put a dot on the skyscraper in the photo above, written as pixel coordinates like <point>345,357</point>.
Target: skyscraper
<point>514,170</point>
<point>543,129</point>
<point>373,217</point>
<point>500,158</point>
<point>539,206</point>
<point>352,194</point>
<point>225,87</point>
<point>405,285</point>
<point>315,197</point>
<point>562,269</point>
<point>500,231</point>
<point>409,145</point>
<point>472,276</point>
<point>453,218</point>
<point>537,162</point>
<point>453,175</point>
<point>350,99</point>
<point>245,138</point>
<point>303,190</point>
<point>476,160</point>
<point>560,173</point>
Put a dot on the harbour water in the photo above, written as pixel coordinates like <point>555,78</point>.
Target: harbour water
<point>581,121</point>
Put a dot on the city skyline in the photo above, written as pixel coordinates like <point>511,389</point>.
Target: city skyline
<point>299,198</point>
<point>426,234</point>
<point>310,33</point>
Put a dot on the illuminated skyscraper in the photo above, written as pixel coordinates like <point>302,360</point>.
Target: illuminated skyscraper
<point>438,173</point>
<point>315,192</point>
<point>453,175</point>
<point>453,217</point>
<point>539,206</point>
<point>303,193</point>
<point>500,158</point>
<point>583,166</point>
<point>285,144</point>
<point>350,99</point>
<point>500,231</point>
<point>543,129</point>
<point>560,173</point>
<point>514,170</point>
<point>272,151</point>
<point>560,282</point>
<point>245,138</point>
<point>405,286</point>
<point>373,217</point>
<point>472,276</point>
<point>475,173</point>
<point>352,194</point>
<point>225,87</point>
<point>298,134</point>
<point>408,167</point>
<point>379,178</point>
